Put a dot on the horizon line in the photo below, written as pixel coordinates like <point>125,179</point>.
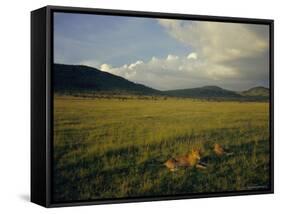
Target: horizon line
<point>202,86</point>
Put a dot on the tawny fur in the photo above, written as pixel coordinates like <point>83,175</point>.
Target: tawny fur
<point>189,160</point>
<point>220,151</point>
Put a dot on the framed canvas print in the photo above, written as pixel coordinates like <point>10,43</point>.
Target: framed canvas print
<point>141,106</point>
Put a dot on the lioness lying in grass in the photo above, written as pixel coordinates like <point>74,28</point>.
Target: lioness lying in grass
<point>191,159</point>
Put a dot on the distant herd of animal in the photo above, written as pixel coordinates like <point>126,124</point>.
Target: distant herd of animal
<point>192,159</point>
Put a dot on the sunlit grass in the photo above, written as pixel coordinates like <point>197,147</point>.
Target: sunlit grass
<point>107,148</point>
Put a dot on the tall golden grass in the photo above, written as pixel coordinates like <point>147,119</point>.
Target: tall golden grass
<point>111,148</point>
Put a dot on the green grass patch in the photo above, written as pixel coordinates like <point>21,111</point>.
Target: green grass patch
<point>112,148</point>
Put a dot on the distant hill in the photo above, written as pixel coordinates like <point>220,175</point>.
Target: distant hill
<point>256,92</point>
<point>83,79</point>
<point>78,78</point>
<point>204,92</point>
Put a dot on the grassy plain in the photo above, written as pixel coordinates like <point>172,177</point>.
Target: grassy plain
<point>112,148</point>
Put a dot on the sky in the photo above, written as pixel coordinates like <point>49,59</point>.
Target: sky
<point>165,54</point>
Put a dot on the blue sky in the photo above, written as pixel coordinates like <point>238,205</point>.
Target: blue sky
<point>115,40</point>
<point>164,53</point>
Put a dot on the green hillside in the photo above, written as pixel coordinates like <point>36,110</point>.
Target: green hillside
<point>257,92</point>
<point>78,78</point>
<point>204,92</point>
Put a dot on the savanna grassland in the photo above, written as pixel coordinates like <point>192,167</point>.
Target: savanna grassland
<point>114,148</point>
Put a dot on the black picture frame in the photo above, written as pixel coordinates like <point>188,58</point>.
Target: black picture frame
<point>42,102</point>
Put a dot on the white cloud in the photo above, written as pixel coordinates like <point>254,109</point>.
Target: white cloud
<point>172,57</point>
<point>226,50</point>
<point>219,41</point>
<point>171,72</point>
<point>133,65</point>
<point>192,56</point>
<point>229,55</point>
<point>105,67</point>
